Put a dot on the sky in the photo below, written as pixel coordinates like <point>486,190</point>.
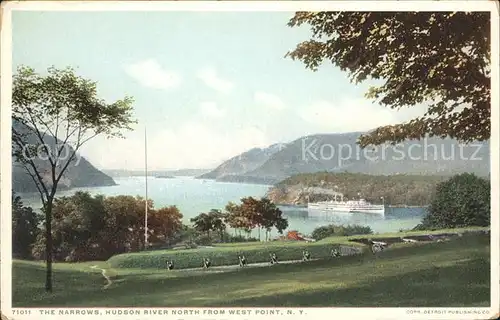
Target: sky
<point>206,85</point>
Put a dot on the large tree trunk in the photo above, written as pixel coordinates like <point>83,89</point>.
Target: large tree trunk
<point>48,244</point>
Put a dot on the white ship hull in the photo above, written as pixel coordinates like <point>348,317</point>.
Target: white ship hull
<point>348,207</point>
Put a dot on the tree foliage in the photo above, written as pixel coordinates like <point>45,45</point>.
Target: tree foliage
<point>257,213</point>
<point>337,230</point>
<point>24,228</point>
<point>462,201</point>
<point>86,227</point>
<point>236,218</point>
<point>165,223</point>
<point>218,225</point>
<point>65,106</point>
<point>251,213</point>
<point>441,59</point>
<point>202,223</point>
<point>211,221</point>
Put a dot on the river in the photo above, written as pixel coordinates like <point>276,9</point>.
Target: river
<point>193,196</point>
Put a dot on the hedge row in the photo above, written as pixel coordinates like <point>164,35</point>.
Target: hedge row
<point>222,255</point>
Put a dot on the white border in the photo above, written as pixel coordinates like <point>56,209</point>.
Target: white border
<point>380,5</point>
<point>386,313</point>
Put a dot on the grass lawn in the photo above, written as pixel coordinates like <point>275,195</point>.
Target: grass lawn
<point>227,254</point>
<point>454,273</point>
<point>402,234</point>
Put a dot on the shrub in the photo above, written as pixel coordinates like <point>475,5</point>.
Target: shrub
<point>222,255</point>
<point>24,228</point>
<point>461,201</point>
<point>336,230</point>
<point>234,239</point>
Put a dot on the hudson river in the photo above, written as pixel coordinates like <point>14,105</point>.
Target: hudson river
<point>193,196</point>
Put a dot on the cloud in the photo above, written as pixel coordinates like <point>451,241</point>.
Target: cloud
<point>192,145</point>
<point>210,77</point>
<point>269,100</point>
<point>151,74</point>
<point>197,145</point>
<point>210,109</point>
<point>351,115</point>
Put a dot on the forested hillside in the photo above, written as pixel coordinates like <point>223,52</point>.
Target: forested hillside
<point>396,189</point>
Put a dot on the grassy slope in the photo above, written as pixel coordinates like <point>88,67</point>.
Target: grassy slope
<point>226,254</point>
<point>406,234</point>
<point>455,273</point>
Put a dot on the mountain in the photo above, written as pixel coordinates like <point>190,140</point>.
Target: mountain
<point>79,174</point>
<point>247,161</point>
<point>340,153</point>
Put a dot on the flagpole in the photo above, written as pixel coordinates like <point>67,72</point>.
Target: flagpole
<point>146,183</point>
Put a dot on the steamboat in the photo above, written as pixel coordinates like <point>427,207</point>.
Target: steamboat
<point>349,206</point>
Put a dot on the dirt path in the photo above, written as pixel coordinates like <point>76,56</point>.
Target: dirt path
<point>103,271</point>
<point>216,269</point>
<point>235,267</point>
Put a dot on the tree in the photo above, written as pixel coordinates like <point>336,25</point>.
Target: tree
<point>438,58</point>
<point>86,227</point>
<point>211,221</point>
<point>77,221</point>
<point>202,223</point>
<point>217,221</point>
<point>24,228</point>
<point>165,222</point>
<point>236,218</point>
<point>187,233</point>
<point>263,214</point>
<point>125,222</point>
<point>461,201</point>
<point>272,216</point>
<point>252,210</point>
<point>230,215</point>
<point>66,107</point>
<point>77,226</point>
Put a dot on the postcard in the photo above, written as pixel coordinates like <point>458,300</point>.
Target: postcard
<point>222,160</point>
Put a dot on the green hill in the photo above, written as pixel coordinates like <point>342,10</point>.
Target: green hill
<point>398,189</point>
<point>83,174</point>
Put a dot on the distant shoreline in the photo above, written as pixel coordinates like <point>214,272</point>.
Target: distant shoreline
<point>122,173</point>
<point>304,206</point>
